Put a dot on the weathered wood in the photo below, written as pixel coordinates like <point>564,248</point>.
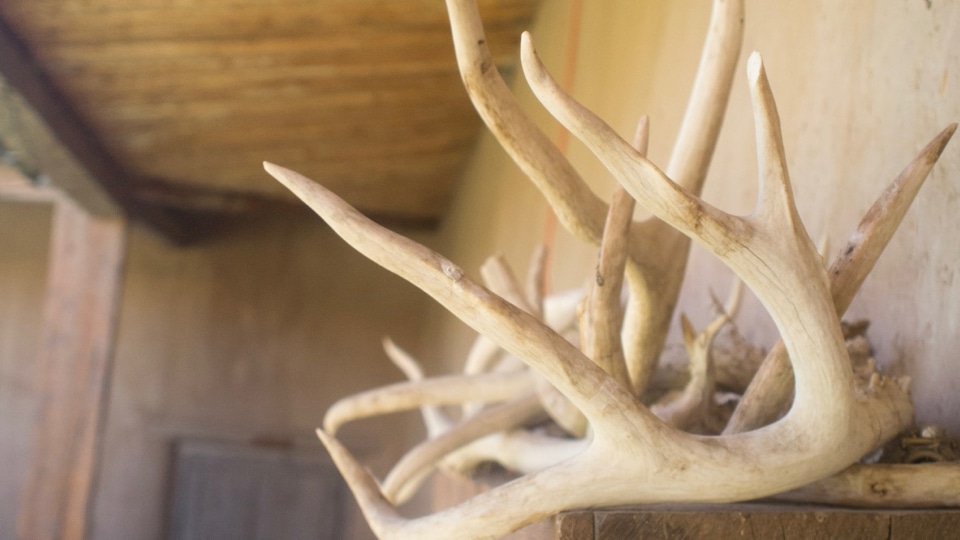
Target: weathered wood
<point>74,357</point>
<point>574,526</point>
<point>757,521</point>
<point>15,187</point>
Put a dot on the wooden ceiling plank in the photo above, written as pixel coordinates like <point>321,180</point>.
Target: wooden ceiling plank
<point>301,99</point>
<point>68,22</point>
<point>199,92</point>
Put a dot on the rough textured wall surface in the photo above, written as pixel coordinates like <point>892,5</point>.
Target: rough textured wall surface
<point>861,88</point>
<point>252,337</point>
<point>247,339</point>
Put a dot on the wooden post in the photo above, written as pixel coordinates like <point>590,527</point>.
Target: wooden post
<point>74,360</point>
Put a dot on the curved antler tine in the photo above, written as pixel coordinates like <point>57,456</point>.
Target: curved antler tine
<point>657,193</point>
<point>694,408</point>
<point>427,454</point>
<point>536,282</point>
<point>434,419</point>
<point>560,309</point>
<point>752,248</point>
<point>448,390</point>
<point>775,204</point>
<point>483,355</point>
<point>499,278</point>
<point>404,362</point>
<point>589,388</point>
<point>730,310</point>
<point>875,230</point>
<point>603,316</point>
<point>579,209</point>
<point>771,391</point>
<point>703,118</point>
<point>379,513</point>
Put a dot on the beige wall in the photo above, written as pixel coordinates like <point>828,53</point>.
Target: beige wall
<point>253,336</point>
<point>250,337</point>
<point>861,87</point>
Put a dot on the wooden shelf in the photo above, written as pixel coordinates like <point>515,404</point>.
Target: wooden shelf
<point>758,521</point>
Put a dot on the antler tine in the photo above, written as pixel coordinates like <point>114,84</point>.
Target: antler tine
<point>589,388</point>
<point>500,279</point>
<point>658,194</point>
<point>772,265</point>
<point>694,403</point>
<point>482,356</point>
<point>603,317</point>
<point>447,390</point>
<point>770,392</point>
<point>775,204</point>
<point>655,291</point>
<point>402,481</point>
<point>435,420</point>
<point>876,228</point>
<point>886,485</point>
<point>577,207</point>
<point>536,282</point>
<point>377,510</point>
<point>703,117</point>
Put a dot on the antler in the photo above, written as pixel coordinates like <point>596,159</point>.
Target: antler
<point>656,253</point>
<point>771,391</point>
<point>634,457</point>
<point>631,456</point>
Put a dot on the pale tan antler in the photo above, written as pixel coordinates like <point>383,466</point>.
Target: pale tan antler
<point>771,392</point>
<point>694,409</point>
<point>448,390</point>
<point>657,254</point>
<point>634,457</point>
<point>930,485</point>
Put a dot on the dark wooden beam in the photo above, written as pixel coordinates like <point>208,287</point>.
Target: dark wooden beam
<point>758,521</point>
<point>84,283</point>
<point>24,75</point>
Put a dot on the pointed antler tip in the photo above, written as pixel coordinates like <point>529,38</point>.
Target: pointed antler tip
<point>755,66</point>
<point>528,53</point>
<point>282,174</point>
<point>324,438</point>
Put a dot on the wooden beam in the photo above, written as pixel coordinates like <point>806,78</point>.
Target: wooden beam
<point>74,360</point>
<point>17,188</point>
<point>756,521</point>
<point>64,147</point>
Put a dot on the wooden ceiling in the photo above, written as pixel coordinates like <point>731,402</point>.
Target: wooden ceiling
<point>184,98</point>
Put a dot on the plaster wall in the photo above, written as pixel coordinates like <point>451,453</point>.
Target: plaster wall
<point>251,338</point>
<point>861,87</point>
<point>247,339</point>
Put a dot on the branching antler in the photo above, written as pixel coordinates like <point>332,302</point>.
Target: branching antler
<point>657,254</point>
<point>624,452</point>
<point>634,457</point>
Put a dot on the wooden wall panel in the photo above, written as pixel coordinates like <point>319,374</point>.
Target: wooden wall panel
<point>75,356</point>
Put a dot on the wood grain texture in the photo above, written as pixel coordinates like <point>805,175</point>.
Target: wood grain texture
<point>74,358</point>
<point>362,94</point>
<point>758,521</point>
